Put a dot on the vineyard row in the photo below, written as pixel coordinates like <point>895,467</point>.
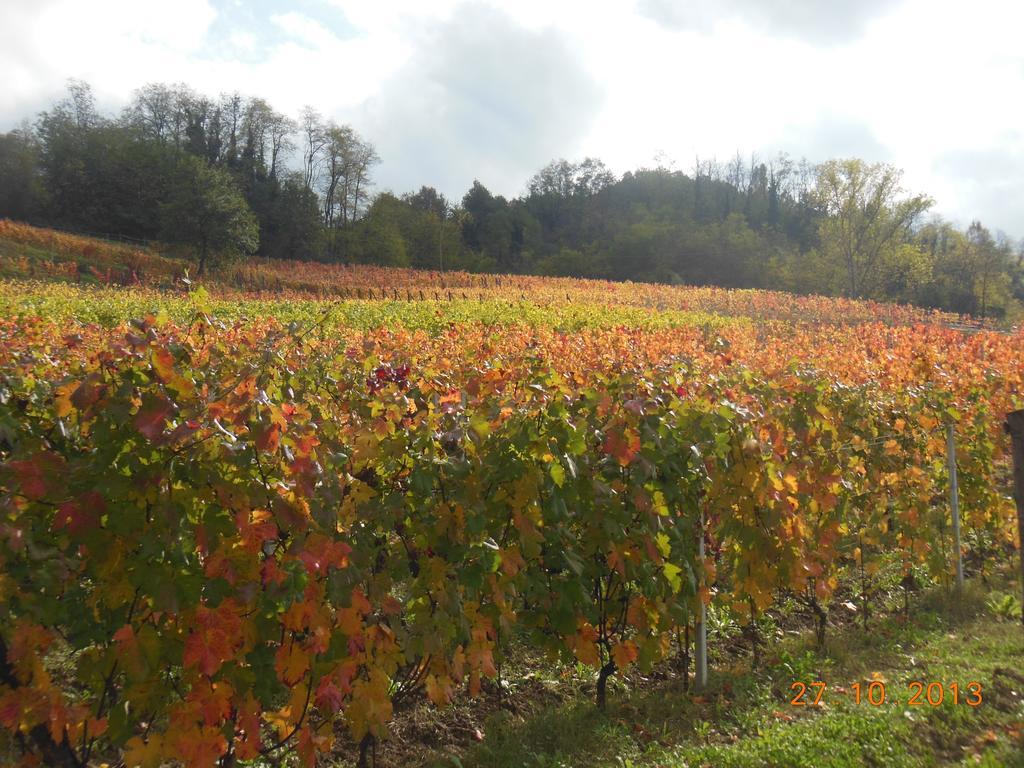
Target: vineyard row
<point>217,542</point>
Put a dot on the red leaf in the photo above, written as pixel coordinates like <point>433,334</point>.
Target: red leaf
<point>199,654</point>
<point>11,704</point>
<point>151,418</point>
<point>328,697</point>
<point>81,514</point>
<point>268,439</point>
<point>71,516</point>
<point>36,475</point>
<point>87,393</point>
<point>125,637</point>
<point>623,446</point>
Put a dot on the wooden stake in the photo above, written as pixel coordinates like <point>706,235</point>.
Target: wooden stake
<point>1015,427</point>
<point>701,676</point>
<point>954,503</point>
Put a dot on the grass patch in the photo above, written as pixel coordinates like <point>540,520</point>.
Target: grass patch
<point>745,719</point>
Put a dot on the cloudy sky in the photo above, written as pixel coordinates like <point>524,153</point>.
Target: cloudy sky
<point>452,90</point>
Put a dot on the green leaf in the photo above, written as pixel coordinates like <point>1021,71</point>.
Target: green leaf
<point>200,298</point>
<point>664,546</point>
<point>672,573</point>
<point>557,473</point>
<point>479,424</point>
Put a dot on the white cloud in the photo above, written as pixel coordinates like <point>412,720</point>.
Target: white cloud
<point>377,17</point>
<point>109,43</point>
<point>484,98</point>
<point>812,20</point>
<point>449,89</point>
<point>309,32</point>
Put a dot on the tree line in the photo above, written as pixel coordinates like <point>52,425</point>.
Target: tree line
<point>231,176</point>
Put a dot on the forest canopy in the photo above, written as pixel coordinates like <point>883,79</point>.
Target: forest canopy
<point>230,176</point>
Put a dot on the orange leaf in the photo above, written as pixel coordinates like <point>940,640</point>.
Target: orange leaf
<point>268,439</point>
<point>625,653</point>
<point>623,446</point>
<point>439,689</point>
<point>291,663</point>
<point>247,744</point>
<point>214,638</point>
<point>144,754</point>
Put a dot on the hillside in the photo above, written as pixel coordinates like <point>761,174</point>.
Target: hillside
<point>31,253</point>
<point>302,514</point>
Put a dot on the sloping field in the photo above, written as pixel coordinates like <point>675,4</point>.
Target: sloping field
<point>289,513</point>
<point>30,253</point>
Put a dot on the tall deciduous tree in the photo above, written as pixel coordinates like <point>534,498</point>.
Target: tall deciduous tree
<point>990,260</point>
<point>313,140</point>
<point>21,189</point>
<point>867,217</point>
<point>564,179</point>
<point>65,156</point>
<point>206,211</point>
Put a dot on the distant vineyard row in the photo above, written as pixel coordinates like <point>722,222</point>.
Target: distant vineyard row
<point>218,541</point>
<point>110,307</point>
<point>31,253</point>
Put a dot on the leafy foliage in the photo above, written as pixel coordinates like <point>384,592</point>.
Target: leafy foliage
<point>237,534</point>
<point>840,227</point>
<point>207,213</point>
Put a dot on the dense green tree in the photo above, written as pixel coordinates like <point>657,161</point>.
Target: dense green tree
<point>429,200</point>
<point>66,156</point>
<point>380,235</point>
<point>571,263</point>
<point>207,212</point>
<point>176,161</point>
<point>289,217</point>
<point>21,188</point>
<point>991,260</point>
<point>488,226</point>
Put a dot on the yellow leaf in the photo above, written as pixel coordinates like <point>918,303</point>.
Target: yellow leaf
<point>371,707</point>
<point>144,754</point>
<point>281,721</point>
<point>62,402</point>
<point>367,448</point>
<point>439,689</point>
